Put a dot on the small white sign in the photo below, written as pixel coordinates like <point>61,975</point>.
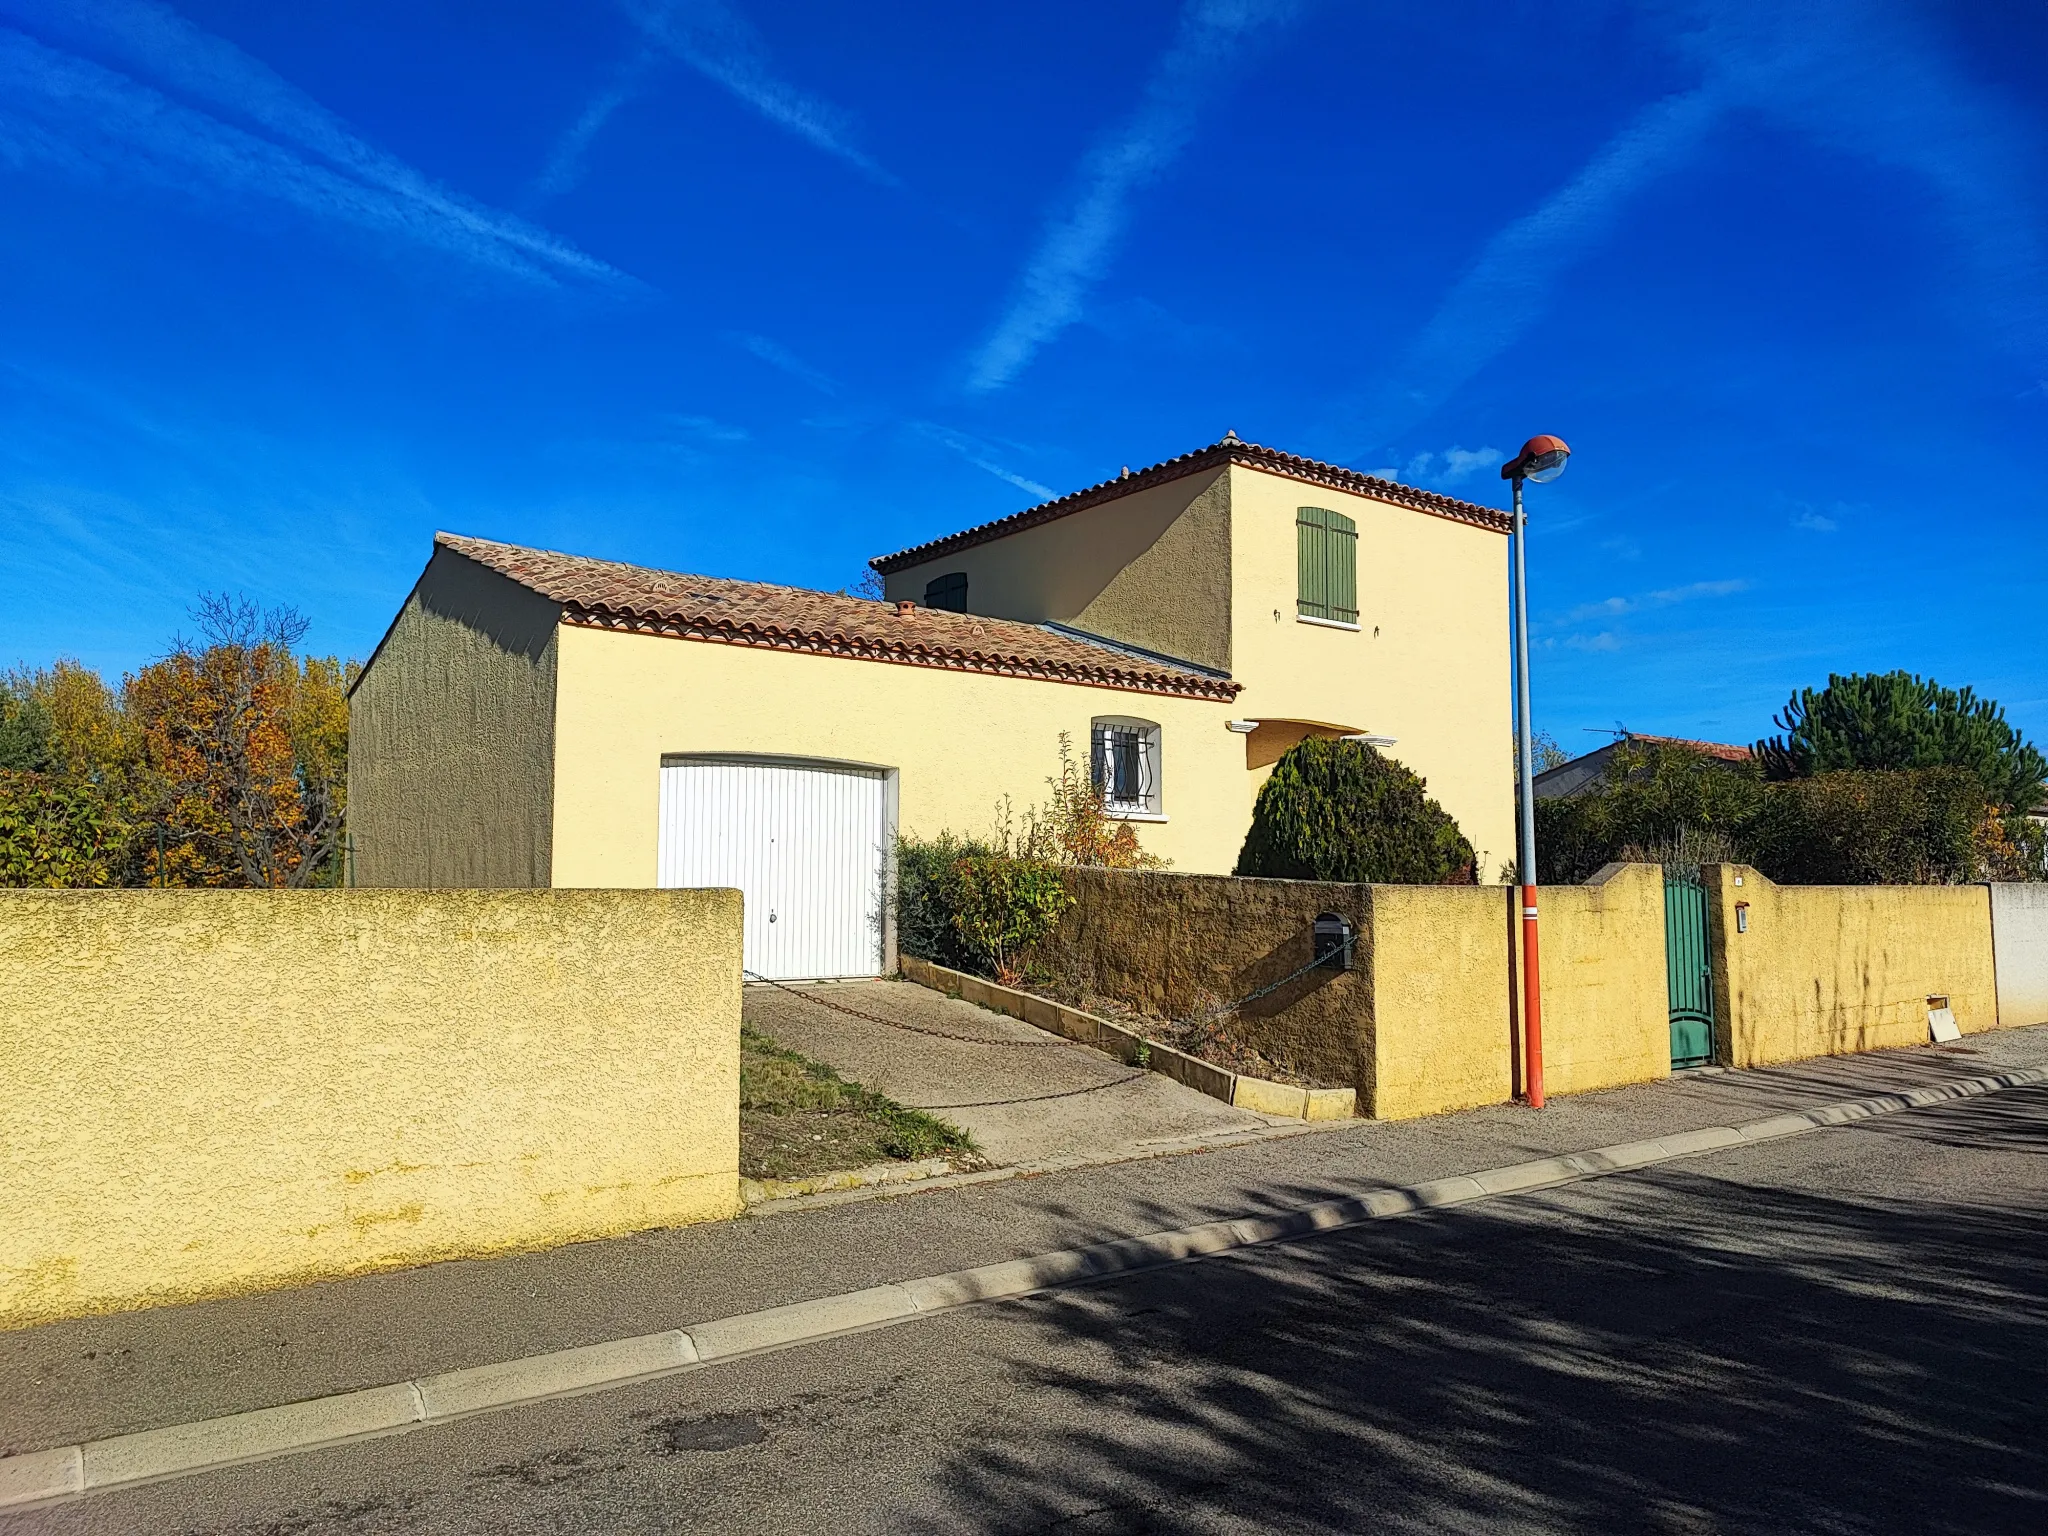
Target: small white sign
<point>1942,1022</point>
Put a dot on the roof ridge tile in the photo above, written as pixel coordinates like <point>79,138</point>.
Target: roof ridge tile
<point>1231,450</point>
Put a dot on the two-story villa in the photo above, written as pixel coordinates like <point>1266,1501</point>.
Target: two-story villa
<point>531,718</point>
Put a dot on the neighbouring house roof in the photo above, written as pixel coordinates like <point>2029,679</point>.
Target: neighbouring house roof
<point>606,594</point>
<point>1721,749</point>
<point>1583,772</point>
<point>1231,450</point>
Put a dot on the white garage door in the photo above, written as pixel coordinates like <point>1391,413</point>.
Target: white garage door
<point>804,842</point>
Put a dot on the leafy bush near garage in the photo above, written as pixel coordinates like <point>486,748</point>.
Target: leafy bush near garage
<point>927,895</point>
<point>980,904</point>
<point>972,906</point>
<point>1339,810</point>
<point>1004,904</point>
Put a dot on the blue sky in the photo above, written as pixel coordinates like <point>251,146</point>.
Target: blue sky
<point>762,291</point>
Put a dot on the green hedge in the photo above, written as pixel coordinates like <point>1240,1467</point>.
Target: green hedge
<point>1854,827</point>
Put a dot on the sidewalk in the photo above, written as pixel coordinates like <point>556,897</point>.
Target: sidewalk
<point>96,1377</point>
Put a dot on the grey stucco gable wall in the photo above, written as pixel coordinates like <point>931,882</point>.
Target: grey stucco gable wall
<point>452,737</point>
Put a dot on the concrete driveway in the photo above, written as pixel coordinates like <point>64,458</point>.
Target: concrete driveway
<point>1026,1096</point>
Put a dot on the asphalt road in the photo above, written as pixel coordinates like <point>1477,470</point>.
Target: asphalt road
<point>1844,1332</point>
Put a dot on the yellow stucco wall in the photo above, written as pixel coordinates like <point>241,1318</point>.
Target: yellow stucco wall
<point>1440,1021</point>
<point>1823,970</point>
<point>1428,664</point>
<point>1150,569</point>
<point>210,1092</point>
<point>959,741</point>
<point>1606,1000</point>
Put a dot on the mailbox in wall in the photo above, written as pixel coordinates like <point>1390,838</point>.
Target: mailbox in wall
<point>1333,942</point>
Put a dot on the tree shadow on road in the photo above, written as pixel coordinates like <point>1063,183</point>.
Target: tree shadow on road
<point>1667,1352</point>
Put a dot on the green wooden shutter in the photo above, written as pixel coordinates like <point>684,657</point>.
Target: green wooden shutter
<point>1341,557</point>
<point>1312,562</point>
<point>1326,565</point>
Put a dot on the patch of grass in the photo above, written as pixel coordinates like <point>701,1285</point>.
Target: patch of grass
<point>798,1116</point>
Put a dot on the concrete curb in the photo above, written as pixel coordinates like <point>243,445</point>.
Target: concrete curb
<point>66,1472</point>
<point>755,1192</point>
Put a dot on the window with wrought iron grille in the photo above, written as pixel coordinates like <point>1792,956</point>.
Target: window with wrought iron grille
<point>1123,763</point>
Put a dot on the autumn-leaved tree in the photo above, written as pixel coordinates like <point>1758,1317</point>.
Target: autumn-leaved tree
<point>67,758</point>
<point>244,750</point>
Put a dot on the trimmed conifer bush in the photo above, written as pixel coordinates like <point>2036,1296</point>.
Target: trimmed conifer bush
<point>1338,810</point>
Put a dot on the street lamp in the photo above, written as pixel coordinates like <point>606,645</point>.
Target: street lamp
<point>1542,459</point>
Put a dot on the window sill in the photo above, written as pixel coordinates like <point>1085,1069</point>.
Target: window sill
<point>1306,618</point>
<point>1116,815</point>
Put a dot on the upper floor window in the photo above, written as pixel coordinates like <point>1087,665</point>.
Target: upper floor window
<point>1123,763</point>
<point>1326,565</point>
<point>948,591</point>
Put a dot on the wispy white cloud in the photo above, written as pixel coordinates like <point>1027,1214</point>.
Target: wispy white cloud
<point>1880,82</point>
<point>1614,607</point>
<point>708,429</point>
<point>564,167</point>
<point>1814,522</point>
<point>1606,640</point>
<point>1209,49</point>
<point>777,356</point>
<point>1870,79</point>
<point>1508,288</point>
<point>978,454</point>
<point>251,134</point>
<point>1453,466</point>
<point>723,46</point>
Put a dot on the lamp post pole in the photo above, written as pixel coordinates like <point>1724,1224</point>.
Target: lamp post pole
<point>1525,847</point>
<point>1542,458</point>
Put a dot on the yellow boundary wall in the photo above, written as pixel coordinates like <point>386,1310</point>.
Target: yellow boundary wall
<point>212,1092</point>
<point>1606,997</point>
<point>1813,971</point>
<point>1447,987</point>
<point>1824,970</point>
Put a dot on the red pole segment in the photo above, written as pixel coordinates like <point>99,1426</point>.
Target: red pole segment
<point>1532,1002</point>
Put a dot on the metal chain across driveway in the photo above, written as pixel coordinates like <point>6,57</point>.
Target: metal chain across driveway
<point>851,1012</point>
<point>915,1029</point>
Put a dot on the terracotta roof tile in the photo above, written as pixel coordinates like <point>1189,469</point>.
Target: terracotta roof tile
<point>605,594</point>
<point>1230,450</point>
<point>1721,749</point>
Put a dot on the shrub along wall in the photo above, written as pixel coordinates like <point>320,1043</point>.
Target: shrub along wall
<point>1929,826</point>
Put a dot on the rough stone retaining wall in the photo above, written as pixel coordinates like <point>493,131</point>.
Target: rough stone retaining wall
<point>1168,945</point>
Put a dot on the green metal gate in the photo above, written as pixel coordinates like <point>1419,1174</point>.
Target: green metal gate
<point>1689,974</point>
